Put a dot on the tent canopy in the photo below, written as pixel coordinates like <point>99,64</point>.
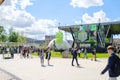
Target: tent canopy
<point>114,26</point>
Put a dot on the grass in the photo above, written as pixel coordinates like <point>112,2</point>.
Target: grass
<point>35,54</point>
<point>59,55</point>
<point>102,55</point>
<point>98,55</point>
<point>56,54</point>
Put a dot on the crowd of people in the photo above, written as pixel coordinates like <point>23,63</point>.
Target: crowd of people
<point>26,52</point>
<point>113,65</point>
<point>76,52</point>
<point>9,51</point>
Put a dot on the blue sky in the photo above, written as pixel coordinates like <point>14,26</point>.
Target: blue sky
<point>67,14</point>
<point>37,18</point>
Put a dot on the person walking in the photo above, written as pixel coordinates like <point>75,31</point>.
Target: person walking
<point>42,57</point>
<point>79,51</point>
<point>74,56</point>
<point>93,54</point>
<point>3,52</point>
<point>48,56</point>
<point>85,53</point>
<point>12,52</point>
<point>113,58</point>
<point>30,52</point>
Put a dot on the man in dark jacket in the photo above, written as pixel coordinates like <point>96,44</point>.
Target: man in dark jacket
<point>74,56</point>
<point>111,64</point>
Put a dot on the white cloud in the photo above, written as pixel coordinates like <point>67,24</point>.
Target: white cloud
<point>22,4</point>
<point>86,18</point>
<point>16,18</point>
<point>86,3</point>
<point>10,3</point>
<point>13,14</point>
<point>25,3</point>
<point>41,28</point>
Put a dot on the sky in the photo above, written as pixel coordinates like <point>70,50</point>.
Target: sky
<point>37,18</point>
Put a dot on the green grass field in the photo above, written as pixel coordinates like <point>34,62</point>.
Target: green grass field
<point>59,55</point>
<point>99,55</point>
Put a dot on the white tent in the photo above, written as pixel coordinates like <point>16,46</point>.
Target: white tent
<point>64,45</point>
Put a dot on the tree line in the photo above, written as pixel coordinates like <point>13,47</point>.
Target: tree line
<point>11,35</point>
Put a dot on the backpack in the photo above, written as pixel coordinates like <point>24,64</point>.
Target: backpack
<point>117,65</point>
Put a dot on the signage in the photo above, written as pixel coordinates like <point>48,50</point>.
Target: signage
<point>59,37</point>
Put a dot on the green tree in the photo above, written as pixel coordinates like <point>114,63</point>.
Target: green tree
<point>13,36</point>
<point>21,39</point>
<point>3,38</point>
<point>3,35</point>
<point>2,29</point>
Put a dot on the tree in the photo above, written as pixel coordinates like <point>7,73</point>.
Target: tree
<point>3,38</point>
<point>13,36</point>
<point>21,39</point>
<point>3,35</point>
<point>2,29</point>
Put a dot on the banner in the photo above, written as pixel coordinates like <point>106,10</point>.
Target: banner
<point>93,27</point>
<point>59,37</point>
<point>76,34</point>
<point>81,28</point>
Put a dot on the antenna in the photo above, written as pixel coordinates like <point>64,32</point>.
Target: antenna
<point>59,26</point>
